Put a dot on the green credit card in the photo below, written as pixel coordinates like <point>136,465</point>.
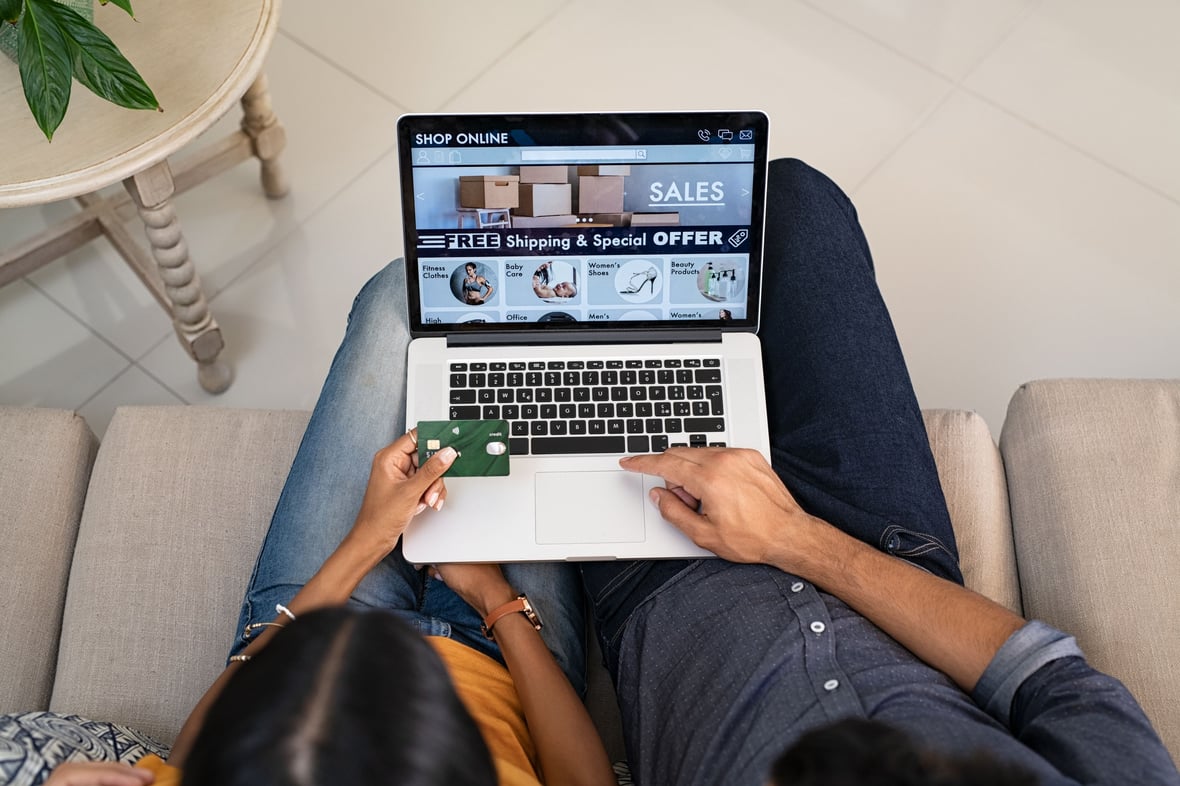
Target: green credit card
<point>482,445</point>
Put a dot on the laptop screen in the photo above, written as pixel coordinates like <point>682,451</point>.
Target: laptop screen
<point>583,221</point>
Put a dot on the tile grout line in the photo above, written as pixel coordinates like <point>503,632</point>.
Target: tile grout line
<point>1069,145</point>
<point>131,362</point>
<point>159,381</point>
<point>104,386</point>
<point>94,332</point>
<point>1016,25</point>
<point>917,126</point>
<point>137,362</point>
<point>341,69</point>
<point>960,85</point>
<point>819,9</point>
<point>507,51</point>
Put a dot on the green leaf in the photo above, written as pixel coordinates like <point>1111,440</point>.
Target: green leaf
<point>99,65</point>
<point>46,71</point>
<point>10,10</point>
<point>124,4</point>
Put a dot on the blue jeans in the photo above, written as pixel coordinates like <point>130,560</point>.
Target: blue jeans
<point>361,409</point>
<point>846,432</point>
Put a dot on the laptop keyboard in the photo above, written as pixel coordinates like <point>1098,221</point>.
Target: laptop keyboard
<point>560,407</point>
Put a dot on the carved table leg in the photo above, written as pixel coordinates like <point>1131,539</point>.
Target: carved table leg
<point>267,135</point>
<point>198,332</point>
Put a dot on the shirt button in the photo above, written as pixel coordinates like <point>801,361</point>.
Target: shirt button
<point>831,684</point>
<point>894,543</point>
<point>817,627</point>
<point>797,586</point>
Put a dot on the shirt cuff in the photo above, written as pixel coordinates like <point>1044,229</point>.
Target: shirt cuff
<point>1025,651</point>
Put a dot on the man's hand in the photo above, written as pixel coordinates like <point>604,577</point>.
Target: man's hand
<point>98,773</point>
<point>398,490</point>
<point>746,514</point>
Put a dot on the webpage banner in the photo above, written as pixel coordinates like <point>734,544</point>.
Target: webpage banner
<point>583,243</point>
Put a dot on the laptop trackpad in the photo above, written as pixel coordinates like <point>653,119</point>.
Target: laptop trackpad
<point>590,507</point>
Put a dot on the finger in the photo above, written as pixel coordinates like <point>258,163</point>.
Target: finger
<point>137,777</point>
<point>406,443</point>
<point>401,454</point>
<point>685,497</point>
<point>673,509</point>
<point>101,774</point>
<point>677,466</point>
<point>435,494</point>
<point>133,778</point>
<point>434,468</point>
<point>671,457</point>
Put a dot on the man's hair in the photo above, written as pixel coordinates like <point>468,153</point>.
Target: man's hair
<point>857,752</point>
<point>340,696</point>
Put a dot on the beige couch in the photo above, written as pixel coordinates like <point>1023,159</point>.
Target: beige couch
<point>123,565</point>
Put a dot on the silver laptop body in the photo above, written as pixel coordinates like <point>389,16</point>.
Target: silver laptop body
<point>593,280</point>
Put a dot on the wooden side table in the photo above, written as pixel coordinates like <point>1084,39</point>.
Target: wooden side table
<point>200,57</point>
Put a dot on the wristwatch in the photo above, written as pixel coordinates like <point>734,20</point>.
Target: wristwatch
<point>519,604</point>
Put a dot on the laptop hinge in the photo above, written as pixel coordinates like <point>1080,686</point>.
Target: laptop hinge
<point>563,337</point>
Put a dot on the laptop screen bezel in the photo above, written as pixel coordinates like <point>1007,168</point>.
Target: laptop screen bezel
<point>593,128</point>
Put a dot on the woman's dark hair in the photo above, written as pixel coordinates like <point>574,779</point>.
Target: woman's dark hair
<point>857,752</point>
<point>340,696</point>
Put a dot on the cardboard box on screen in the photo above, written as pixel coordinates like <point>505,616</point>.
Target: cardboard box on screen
<point>600,194</point>
<point>545,199</point>
<point>494,191</point>
<point>614,219</point>
<point>655,219</point>
<point>543,222</point>
<point>557,173</point>
<point>604,169</point>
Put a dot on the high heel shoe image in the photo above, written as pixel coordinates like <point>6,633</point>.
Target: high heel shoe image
<point>644,280</point>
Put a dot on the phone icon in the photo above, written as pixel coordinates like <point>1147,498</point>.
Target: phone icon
<point>704,134</point>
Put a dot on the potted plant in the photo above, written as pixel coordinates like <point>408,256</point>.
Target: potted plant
<point>55,44</point>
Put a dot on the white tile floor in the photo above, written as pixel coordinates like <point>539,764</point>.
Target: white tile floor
<point>1015,164</point>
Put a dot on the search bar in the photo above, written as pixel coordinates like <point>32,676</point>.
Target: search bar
<point>582,154</point>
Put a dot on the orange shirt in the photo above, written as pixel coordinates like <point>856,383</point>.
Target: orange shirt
<point>488,693</point>
<point>166,774</point>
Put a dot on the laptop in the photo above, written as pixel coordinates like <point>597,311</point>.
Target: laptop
<point>592,280</point>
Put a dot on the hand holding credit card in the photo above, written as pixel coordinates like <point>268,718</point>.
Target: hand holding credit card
<point>482,445</point>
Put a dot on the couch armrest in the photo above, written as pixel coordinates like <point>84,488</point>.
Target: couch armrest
<point>44,467</point>
<point>972,477</point>
<point>1094,479</point>
<point>179,501</point>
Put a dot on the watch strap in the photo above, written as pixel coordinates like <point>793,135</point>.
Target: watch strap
<point>518,605</point>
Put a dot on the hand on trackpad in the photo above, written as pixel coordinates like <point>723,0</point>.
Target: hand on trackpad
<point>590,507</point>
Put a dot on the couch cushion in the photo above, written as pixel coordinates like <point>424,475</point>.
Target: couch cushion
<point>972,477</point>
<point>44,466</point>
<point>179,501</point>
<point>1094,478</point>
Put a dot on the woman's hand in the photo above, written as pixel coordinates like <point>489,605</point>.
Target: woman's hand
<point>98,773</point>
<point>398,490</point>
<point>482,585</point>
